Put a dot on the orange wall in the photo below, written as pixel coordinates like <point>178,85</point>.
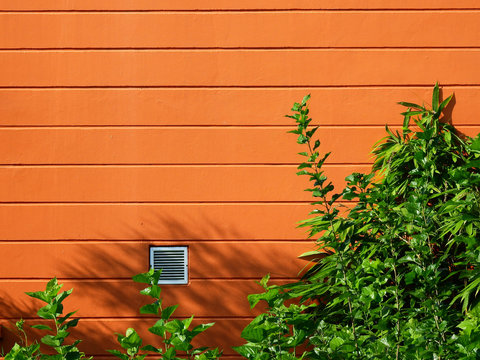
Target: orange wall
<point>125,124</point>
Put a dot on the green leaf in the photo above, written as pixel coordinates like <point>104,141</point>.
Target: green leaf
<point>152,291</point>
<point>336,342</point>
<point>444,103</point>
<point>180,342</point>
<point>410,277</point>
<point>132,338</point>
<point>51,340</point>
<point>42,327</point>
<point>435,98</point>
<point>247,351</point>
<point>297,132</point>
<point>253,334</point>
<point>305,99</point>
<point>169,354</point>
<point>175,326</point>
<point>67,316</point>
<point>476,143</point>
<point>304,165</point>
<point>201,328</point>
<point>152,349</point>
<point>150,308</point>
<point>168,311</point>
<point>70,324</point>
<point>411,105</point>
<point>39,295</point>
<point>187,322</point>
<point>158,328</point>
<point>150,277</point>
<point>49,311</point>
<point>63,295</point>
<point>310,133</point>
<point>302,139</point>
<point>119,354</point>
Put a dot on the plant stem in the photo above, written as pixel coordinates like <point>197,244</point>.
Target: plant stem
<point>328,210</point>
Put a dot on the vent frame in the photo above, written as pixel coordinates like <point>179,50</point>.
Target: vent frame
<point>177,256</point>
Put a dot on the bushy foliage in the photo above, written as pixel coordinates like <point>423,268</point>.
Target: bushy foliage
<point>280,332</point>
<point>175,334</point>
<point>55,340</point>
<point>396,273</point>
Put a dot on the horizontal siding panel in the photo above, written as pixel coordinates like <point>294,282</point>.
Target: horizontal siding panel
<point>329,106</point>
<point>225,333</point>
<point>240,29</point>
<point>169,222</point>
<point>122,260</point>
<point>178,145</point>
<point>183,145</point>
<point>230,5</point>
<point>204,298</point>
<point>159,184</point>
<point>239,68</point>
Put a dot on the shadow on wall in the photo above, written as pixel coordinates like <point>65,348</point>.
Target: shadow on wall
<point>222,273</point>
<point>448,111</point>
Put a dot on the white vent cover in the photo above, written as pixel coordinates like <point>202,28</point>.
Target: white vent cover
<point>173,260</point>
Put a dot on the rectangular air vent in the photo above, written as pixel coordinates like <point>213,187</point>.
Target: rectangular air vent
<point>173,260</point>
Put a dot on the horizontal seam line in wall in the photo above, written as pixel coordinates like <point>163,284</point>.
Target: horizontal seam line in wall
<point>235,202</point>
<point>107,127</point>
<point>133,127</point>
<point>166,203</point>
<point>242,49</point>
<point>129,279</point>
<point>154,242</point>
<point>169,165</point>
<point>149,166</point>
<point>119,318</point>
<point>219,127</point>
<point>240,10</point>
<point>140,241</point>
<point>232,48</point>
<point>228,87</point>
<point>232,87</point>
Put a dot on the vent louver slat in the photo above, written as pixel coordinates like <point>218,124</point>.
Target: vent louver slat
<point>173,260</point>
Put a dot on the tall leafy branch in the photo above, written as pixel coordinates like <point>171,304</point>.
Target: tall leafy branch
<point>396,272</point>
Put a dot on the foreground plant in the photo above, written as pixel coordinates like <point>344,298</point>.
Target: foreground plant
<point>175,334</point>
<point>53,311</point>
<point>396,274</point>
<point>279,332</point>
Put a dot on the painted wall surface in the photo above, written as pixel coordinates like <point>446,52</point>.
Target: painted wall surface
<point>126,124</point>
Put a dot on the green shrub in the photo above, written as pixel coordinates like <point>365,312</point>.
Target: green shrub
<point>53,311</point>
<point>278,333</point>
<point>175,334</point>
<point>396,273</point>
